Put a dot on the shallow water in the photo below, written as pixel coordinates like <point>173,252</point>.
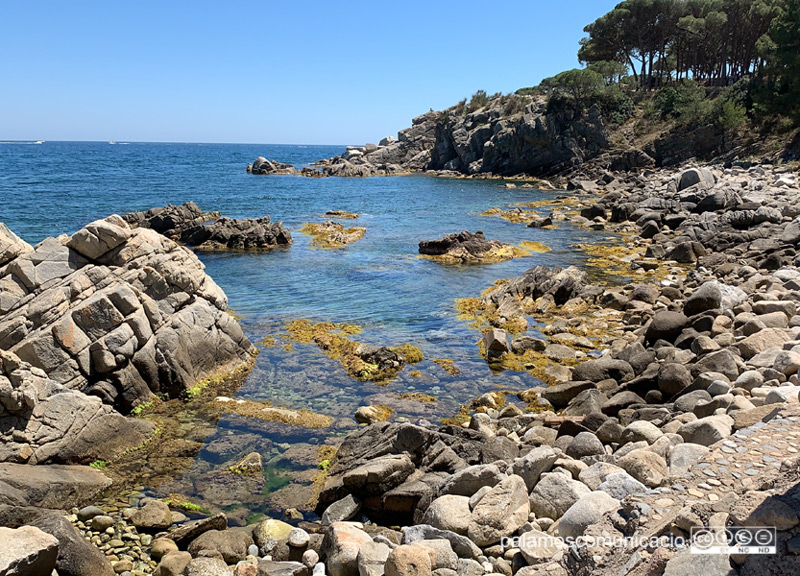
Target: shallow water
<point>378,282</point>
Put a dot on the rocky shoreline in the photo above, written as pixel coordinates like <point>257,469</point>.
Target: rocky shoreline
<point>671,391</point>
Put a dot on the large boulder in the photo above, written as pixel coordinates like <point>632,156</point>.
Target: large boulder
<point>707,431</point>
<point>341,547</point>
<point>27,551</point>
<point>701,177</point>
<point>54,486</point>
<point>500,512</point>
<point>666,325</point>
<point>554,494</point>
<point>713,295</point>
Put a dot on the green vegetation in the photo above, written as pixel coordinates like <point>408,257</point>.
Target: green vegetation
<point>140,408</point>
<point>98,464</point>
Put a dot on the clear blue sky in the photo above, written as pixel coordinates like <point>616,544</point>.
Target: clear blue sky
<point>291,72</point>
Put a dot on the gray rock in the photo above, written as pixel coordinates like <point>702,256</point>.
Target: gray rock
<point>55,486</point>
<point>621,484</point>
<point>706,431</point>
<point>408,560</point>
<point>461,545</point>
<point>645,466</point>
<point>585,444</point>
<point>685,562</point>
<point>640,430</point>
<point>469,480</point>
<point>586,511</point>
<point>673,378</point>
<point>554,494</point>
<point>449,512</point>
<point>666,326</point>
<point>495,343</point>
<point>341,510</point>
<point>603,369</point>
<point>232,544</point>
<point>534,463</point>
<point>684,457</point>
<point>596,474</point>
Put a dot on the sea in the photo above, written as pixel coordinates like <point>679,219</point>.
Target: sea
<point>378,283</point>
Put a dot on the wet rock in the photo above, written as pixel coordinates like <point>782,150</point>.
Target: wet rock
<point>466,248</point>
<point>495,343</point>
<point>185,533</point>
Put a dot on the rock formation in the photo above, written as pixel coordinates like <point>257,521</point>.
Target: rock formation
<point>188,224</point>
<point>109,314</point>
<point>468,248</point>
<point>263,166</point>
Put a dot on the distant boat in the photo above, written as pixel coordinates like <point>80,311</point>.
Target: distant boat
<point>39,142</point>
<point>111,142</point>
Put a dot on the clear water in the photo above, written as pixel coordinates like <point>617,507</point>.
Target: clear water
<point>378,282</point>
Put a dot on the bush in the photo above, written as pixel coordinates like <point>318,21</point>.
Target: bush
<point>478,101</point>
<point>685,101</point>
<point>616,103</point>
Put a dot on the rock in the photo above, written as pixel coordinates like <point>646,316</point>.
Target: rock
<point>684,457</point>
<point>495,343</point>
<point>761,341</point>
<point>603,369</point>
<point>756,508</point>
<point>449,512</point>
<point>372,414</point>
<point>380,475</point>
<point>500,512</point>
<point>554,494</point>
<point>706,431</point>
<point>537,546</point>
<point>54,486</point>
<point>559,395</point>
<point>522,344</point>
<point>686,562</point>
<point>76,556</point>
<point>342,510</point>
<point>270,531</point>
<point>647,467</point>
<point>341,548</point>
<point>27,551</point>
<point>153,516</point>
<point>701,177</point>
<point>666,326</point>
<point>371,558</point>
<point>271,568</point>
<point>441,553</point>
<point>207,567</point>
<point>534,463</point>
<point>620,484</point>
<point>232,544</point>
<point>747,418</point>
<point>466,248</point>
<point>640,430</point>
<point>263,166</point>
<point>408,560</point>
<point>586,511</point>
<point>461,545</point>
<point>88,512</point>
<point>110,317</point>
<point>100,523</point>
<point>173,564</point>
<point>185,533</point>
<point>160,547</point>
<point>585,444</point>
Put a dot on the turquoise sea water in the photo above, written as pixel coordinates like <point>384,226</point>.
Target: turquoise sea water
<point>378,282</point>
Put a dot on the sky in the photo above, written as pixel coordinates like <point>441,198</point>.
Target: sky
<point>290,72</point>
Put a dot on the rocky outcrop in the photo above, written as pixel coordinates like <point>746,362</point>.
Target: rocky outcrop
<point>104,318</point>
<point>468,248</point>
<point>263,166</point>
<point>188,224</point>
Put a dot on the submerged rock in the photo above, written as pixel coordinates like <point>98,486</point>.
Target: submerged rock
<point>468,248</point>
<point>263,166</point>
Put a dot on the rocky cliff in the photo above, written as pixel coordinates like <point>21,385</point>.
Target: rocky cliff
<point>107,317</point>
